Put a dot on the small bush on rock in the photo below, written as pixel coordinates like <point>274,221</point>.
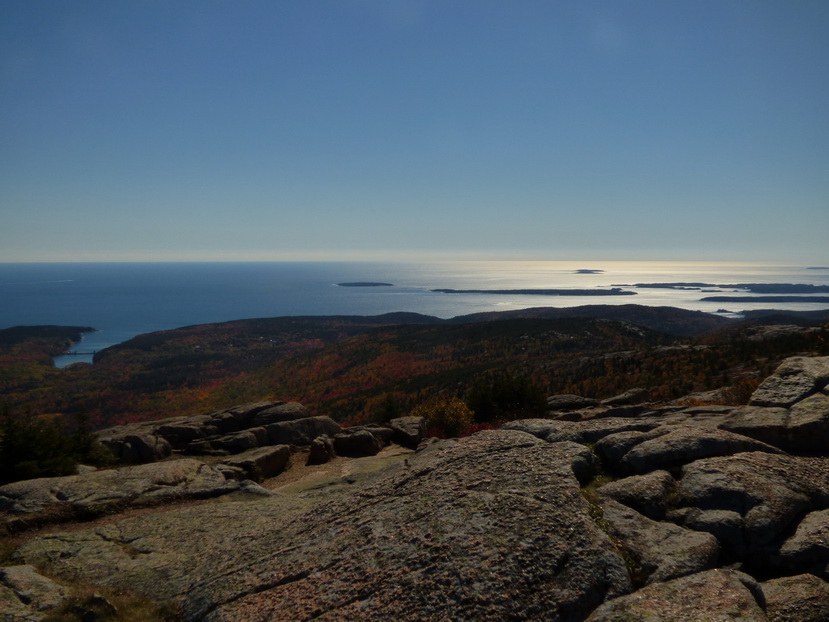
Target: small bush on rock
<point>448,416</point>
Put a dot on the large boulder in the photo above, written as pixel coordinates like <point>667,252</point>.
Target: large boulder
<point>356,444</point>
<point>758,497</point>
<point>766,424</point>
<point>261,463</point>
<point>712,595</point>
<point>663,551</point>
<point>321,450</point>
<point>686,443</point>
<point>794,379</point>
<point>808,426</point>
<point>801,598</point>
<point>801,428</point>
<point>181,434</point>
<point>648,494</point>
<point>287,411</point>
<point>301,432</point>
<point>233,443</point>
<point>408,431</point>
<point>807,550</point>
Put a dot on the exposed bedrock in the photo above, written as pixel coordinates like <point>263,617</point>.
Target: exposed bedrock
<point>675,513</point>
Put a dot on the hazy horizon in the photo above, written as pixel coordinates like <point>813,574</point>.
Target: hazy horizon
<point>414,130</point>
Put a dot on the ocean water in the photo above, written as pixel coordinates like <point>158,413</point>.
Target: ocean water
<point>122,300</point>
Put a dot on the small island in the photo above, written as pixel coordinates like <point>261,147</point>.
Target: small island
<point>365,284</point>
<point>588,271</point>
<point>541,292</point>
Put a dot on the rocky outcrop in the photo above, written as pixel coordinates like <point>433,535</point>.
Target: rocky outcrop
<point>679,513</point>
<point>102,492</point>
<point>468,529</point>
<point>249,426</point>
<point>224,432</point>
<point>795,379</point>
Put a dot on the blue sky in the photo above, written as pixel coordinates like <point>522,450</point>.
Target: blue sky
<point>397,129</point>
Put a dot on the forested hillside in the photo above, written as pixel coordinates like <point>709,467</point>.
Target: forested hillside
<point>368,368</point>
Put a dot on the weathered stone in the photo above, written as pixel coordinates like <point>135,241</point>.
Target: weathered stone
<point>684,444</point>
<point>764,424</point>
<point>96,492</point>
<point>204,447</point>
<point>584,432</point>
<point>381,433</point>
<point>725,525</point>
<point>243,440</point>
<point>180,435</point>
<point>712,595</point>
<point>794,379</point>
<point>647,494</point>
<point>808,429</point>
<point>628,398</point>
<point>231,472</point>
<point>138,448</point>
<point>581,460</point>
<point>30,589</point>
<point>770,492</point>
<point>261,463</point>
<point>628,411</point>
<point>301,431</point>
<point>356,444</point>
<point>244,413</point>
<point>289,411</point>
<point>613,447</point>
<point>808,549</point>
<point>408,431</point>
<point>802,598</point>
<point>321,450</point>
<point>569,402</point>
<point>664,551</point>
<point>225,422</point>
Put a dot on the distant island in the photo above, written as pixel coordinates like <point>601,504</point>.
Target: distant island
<point>588,271</point>
<point>542,292</point>
<point>821,299</point>
<point>365,284</point>
<point>756,288</point>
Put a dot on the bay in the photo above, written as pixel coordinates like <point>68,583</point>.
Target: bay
<point>122,300</point>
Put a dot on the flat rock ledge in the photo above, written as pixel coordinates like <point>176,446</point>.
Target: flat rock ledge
<point>684,514</point>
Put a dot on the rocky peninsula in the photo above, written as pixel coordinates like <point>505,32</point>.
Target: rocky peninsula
<point>623,509</point>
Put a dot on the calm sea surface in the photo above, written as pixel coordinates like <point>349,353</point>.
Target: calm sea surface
<point>122,300</point>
